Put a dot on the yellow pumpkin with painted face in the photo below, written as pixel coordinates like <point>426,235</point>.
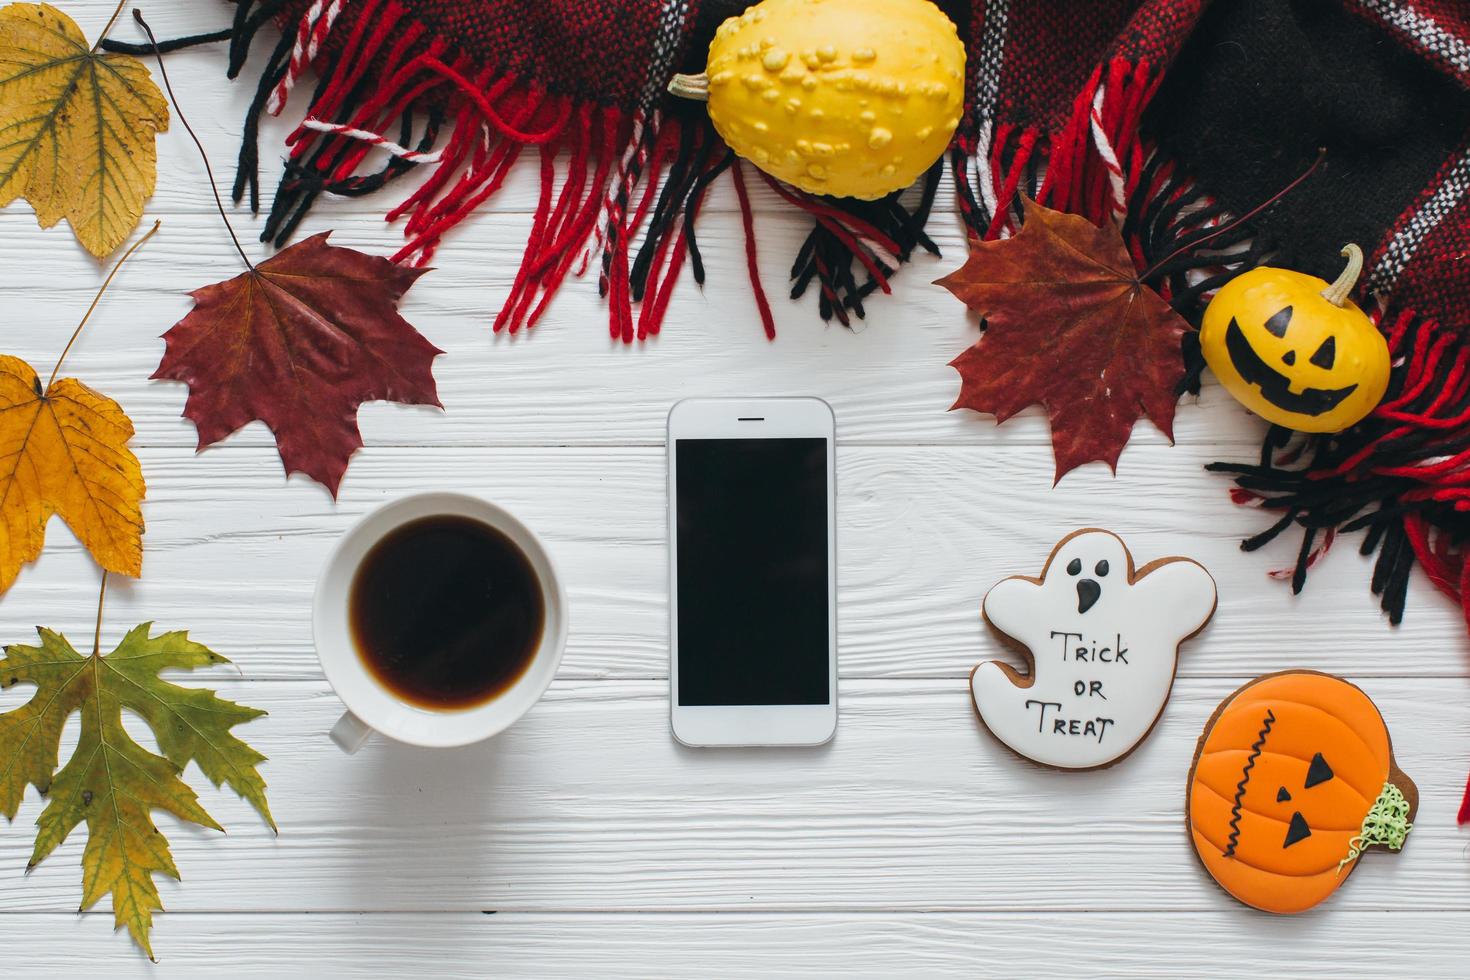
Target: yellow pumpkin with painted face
<point>1295,350</point>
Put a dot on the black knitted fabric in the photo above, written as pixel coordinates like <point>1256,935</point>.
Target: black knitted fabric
<point>1264,83</point>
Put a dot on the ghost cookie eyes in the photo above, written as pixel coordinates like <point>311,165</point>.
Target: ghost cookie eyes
<point>1101,641</point>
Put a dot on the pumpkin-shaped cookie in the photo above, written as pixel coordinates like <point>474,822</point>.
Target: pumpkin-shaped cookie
<point>1294,778</point>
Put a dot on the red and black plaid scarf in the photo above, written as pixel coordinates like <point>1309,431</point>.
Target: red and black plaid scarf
<point>1123,110</point>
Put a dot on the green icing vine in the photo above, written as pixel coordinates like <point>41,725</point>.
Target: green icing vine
<point>1386,825</point>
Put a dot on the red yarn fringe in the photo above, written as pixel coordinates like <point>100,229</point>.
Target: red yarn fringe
<point>1093,164</point>
<point>601,170</point>
<point>1432,401</point>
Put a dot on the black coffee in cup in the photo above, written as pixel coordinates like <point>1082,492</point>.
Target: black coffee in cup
<point>446,612</point>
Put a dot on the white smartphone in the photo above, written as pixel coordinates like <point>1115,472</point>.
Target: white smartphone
<point>752,571</point>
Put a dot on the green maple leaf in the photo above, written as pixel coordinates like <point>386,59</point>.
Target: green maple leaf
<point>111,781</point>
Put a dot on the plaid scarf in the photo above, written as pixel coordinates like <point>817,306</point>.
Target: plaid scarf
<point>1088,105</point>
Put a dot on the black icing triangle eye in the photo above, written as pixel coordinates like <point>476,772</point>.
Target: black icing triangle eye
<point>1326,354</point>
<point>1074,567</point>
<point>1282,796</point>
<point>1298,831</point>
<point>1102,568</point>
<point>1318,772</point>
<point>1278,323</point>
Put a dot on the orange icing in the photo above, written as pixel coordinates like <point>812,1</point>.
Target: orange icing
<point>1308,714</point>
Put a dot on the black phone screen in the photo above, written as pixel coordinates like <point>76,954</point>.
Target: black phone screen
<point>752,571</point>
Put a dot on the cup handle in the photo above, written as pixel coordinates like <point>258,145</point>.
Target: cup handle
<point>350,732</point>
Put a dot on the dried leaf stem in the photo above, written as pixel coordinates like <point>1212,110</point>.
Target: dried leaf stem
<point>179,111</point>
<point>108,26</point>
<point>97,299</point>
<point>1321,155</point>
<point>97,636</point>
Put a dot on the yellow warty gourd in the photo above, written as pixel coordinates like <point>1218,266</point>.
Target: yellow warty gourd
<point>854,98</point>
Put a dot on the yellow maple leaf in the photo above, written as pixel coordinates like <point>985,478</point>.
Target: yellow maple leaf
<point>63,450</point>
<point>111,783</point>
<point>77,127</point>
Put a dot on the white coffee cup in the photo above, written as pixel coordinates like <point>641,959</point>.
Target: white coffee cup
<point>373,707</point>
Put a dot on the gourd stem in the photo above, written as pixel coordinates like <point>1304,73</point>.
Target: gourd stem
<point>694,87</point>
<point>97,637</point>
<point>1337,293</point>
<point>95,300</point>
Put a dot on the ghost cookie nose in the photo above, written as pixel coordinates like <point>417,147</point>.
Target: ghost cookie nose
<point>1088,592</point>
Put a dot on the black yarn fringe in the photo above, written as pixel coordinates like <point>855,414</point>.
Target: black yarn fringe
<point>1318,506</point>
<point>1290,478</point>
<point>824,259</point>
<point>1165,223</point>
<point>689,176</point>
<point>301,184</point>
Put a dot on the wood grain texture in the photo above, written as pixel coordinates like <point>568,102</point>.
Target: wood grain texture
<point>914,845</point>
<point>566,381</point>
<point>923,533</point>
<point>759,945</point>
<point>589,805</point>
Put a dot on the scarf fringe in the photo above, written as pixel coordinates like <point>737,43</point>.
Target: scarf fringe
<point>1100,166</point>
<point>1093,164</point>
<point>625,187</point>
<point>1402,474</point>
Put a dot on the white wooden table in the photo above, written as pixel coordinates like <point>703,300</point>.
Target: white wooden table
<point>585,841</point>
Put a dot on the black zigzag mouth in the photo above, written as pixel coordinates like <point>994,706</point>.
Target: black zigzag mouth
<point>1245,778</point>
<point>1275,386</point>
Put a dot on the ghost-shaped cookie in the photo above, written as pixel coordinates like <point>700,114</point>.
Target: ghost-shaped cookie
<point>1102,640</point>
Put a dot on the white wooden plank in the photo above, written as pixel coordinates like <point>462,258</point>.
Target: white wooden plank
<point>590,805</point>
<point>567,383</point>
<point>233,554</point>
<point>1231,942</point>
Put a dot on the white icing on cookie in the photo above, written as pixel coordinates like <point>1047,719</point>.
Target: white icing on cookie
<point>1103,642</point>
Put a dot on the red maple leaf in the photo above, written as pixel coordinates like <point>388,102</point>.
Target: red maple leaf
<point>299,342</point>
<point>1069,326</point>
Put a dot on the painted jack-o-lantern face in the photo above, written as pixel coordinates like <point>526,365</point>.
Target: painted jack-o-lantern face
<point>1295,350</point>
<point>1294,779</point>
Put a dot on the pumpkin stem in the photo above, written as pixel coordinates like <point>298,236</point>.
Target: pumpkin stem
<point>694,87</point>
<point>1387,823</point>
<point>1337,293</point>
